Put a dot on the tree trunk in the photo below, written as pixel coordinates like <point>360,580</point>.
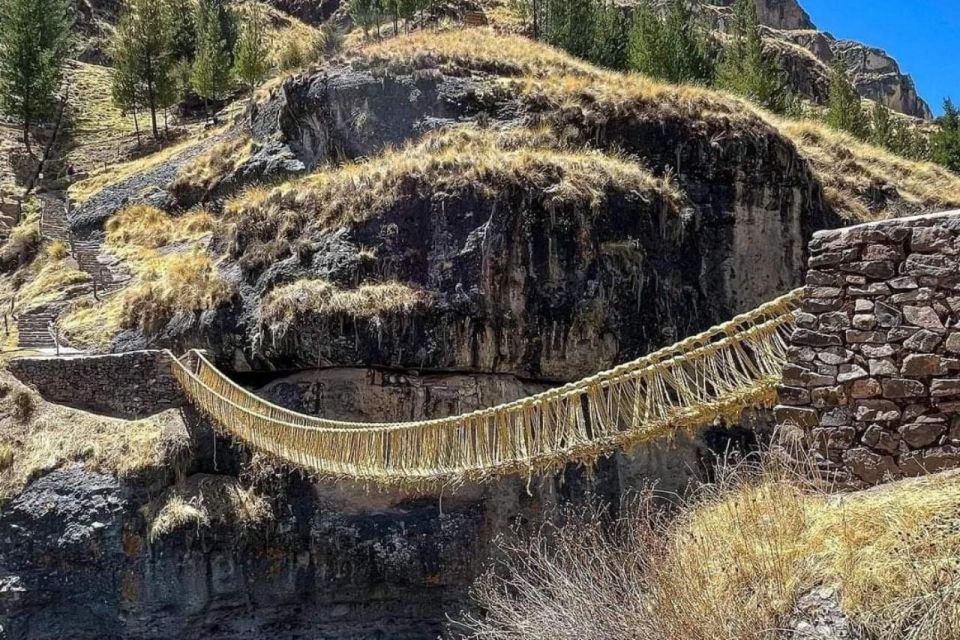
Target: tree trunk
<point>136,125</point>
<point>26,137</point>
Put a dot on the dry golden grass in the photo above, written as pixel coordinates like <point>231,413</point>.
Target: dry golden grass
<point>36,437</point>
<point>24,241</point>
<point>733,563</point>
<point>54,272</point>
<point>283,306</point>
<point>203,501</point>
<point>849,170</point>
<point>91,100</point>
<point>83,190</point>
<point>479,49</point>
<point>208,169</point>
<point>461,160</point>
<point>144,227</point>
<point>164,286</point>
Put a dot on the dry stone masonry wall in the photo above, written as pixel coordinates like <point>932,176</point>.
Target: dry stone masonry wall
<point>874,368</point>
<point>125,385</point>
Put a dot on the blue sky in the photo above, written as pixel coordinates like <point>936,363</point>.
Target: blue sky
<point>923,35</point>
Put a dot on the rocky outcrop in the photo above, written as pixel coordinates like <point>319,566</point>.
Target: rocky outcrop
<point>874,73</point>
<point>521,282</point>
<point>80,556</point>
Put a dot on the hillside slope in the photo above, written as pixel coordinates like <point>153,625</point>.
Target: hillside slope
<point>523,192</point>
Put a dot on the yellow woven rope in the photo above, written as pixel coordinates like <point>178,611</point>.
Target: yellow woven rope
<point>713,375</point>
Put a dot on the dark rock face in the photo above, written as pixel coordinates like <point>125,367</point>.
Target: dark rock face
<point>518,283</point>
<point>59,541</point>
<point>336,561</point>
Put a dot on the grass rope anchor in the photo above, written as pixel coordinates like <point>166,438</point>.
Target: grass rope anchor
<point>713,375</point>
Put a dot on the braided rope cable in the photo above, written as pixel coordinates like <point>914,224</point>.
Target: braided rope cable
<point>713,375</point>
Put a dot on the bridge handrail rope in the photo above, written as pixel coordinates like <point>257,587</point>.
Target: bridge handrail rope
<point>712,375</point>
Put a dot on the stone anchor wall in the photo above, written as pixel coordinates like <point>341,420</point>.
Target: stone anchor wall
<point>125,385</point>
<point>874,367</point>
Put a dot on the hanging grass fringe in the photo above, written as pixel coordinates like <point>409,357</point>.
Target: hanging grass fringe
<point>714,375</point>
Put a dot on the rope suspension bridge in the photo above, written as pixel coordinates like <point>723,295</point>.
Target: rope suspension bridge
<point>713,375</point>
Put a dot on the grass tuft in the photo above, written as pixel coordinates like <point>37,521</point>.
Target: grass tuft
<point>268,223</point>
<point>732,563</point>
<point>285,305</point>
<point>37,437</point>
<point>203,501</point>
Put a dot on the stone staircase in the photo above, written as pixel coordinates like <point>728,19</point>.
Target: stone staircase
<point>108,273</point>
<point>34,331</point>
<point>53,218</point>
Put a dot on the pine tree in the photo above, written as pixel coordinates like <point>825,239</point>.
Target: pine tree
<point>141,48</point>
<point>250,58</point>
<point>362,13</point>
<point>745,68</point>
<point>881,126</point>
<point>181,25</point>
<point>672,47</point>
<point>571,25</point>
<point>846,111</point>
<point>611,36</point>
<point>945,143</point>
<point>210,76</point>
<point>33,46</point>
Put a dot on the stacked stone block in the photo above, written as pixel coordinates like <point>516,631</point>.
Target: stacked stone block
<point>873,376</point>
<point>128,385</point>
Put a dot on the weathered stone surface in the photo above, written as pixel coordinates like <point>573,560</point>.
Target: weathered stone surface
<point>815,338</point>
<point>828,397</point>
<point>953,342</point>
<point>836,417</point>
<point>877,351</point>
<point>923,317</point>
<point>876,411</point>
<point>869,466</point>
<point>876,252</point>
<point>864,321</point>
<point>805,418</point>
<point>872,289</point>
<point>895,369</point>
<point>923,341</point>
<point>919,463</point>
<point>834,355</point>
<point>883,367</point>
<point>931,240</point>
<point>834,321</point>
<point>922,434</point>
<point>930,265</point>
<point>903,283</point>
<point>794,396</point>
<point>897,388</point>
<point>878,270</point>
<point>942,388</point>
<point>887,315</point>
<point>850,372</point>
<point>921,365</point>
<point>865,388</point>
<point>128,385</point>
<point>876,437</point>
<point>807,320</point>
<point>859,337</point>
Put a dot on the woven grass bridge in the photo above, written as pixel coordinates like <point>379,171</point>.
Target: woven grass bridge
<point>716,374</point>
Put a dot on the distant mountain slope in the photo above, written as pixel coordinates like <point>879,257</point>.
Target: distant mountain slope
<point>874,73</point>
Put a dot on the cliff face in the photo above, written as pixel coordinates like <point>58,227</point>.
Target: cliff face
<point>874,73</point>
